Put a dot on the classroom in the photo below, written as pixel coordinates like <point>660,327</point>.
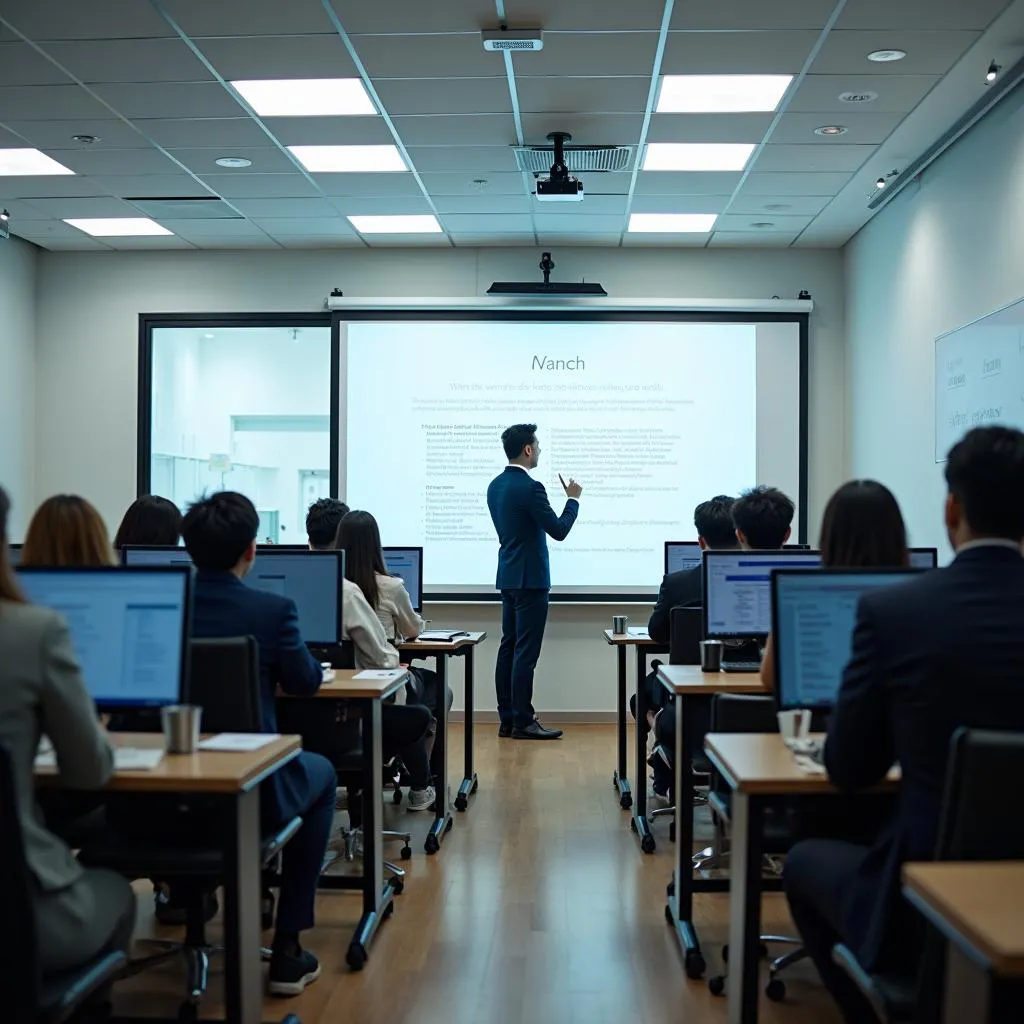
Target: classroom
<point>511,513</point>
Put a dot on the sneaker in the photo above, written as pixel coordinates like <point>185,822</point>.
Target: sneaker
<point>422,799</point>
<point>289,975</point>
<point>657,798</point>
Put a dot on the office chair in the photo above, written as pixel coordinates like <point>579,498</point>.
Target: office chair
<point>735,713</point>
<point>29,996</point>
<point>982,819</point>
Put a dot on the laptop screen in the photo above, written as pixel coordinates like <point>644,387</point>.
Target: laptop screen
<point>681,554</point>
<point>407,563</point>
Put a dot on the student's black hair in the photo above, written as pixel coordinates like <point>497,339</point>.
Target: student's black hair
<point>515,438</point>
<point>322,520</point>
<point>218,529</point>
<point>713,521</point>
<point>863,528</point>
<point>359,537</point>
<point>985,474</point>
<point>763,515</point>
<point>150,520</point>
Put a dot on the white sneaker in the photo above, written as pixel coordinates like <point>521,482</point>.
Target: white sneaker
<point>422,799</point>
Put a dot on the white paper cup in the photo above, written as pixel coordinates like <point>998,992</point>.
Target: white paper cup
<point>794,725</point>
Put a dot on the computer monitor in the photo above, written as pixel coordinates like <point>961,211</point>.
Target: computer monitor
<point>680,555</point>
<point>408,564</point>
<point>737,590</point>
<point>14,553</point>
<point>924,558</point>
<point>133,554</point>
<point>813,615</point>
<point>796,547</point>
<point>129,628</point>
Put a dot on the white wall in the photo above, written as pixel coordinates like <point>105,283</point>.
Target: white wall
<point>17,378</point>
<point>940,255</point>
<point>86,362</point>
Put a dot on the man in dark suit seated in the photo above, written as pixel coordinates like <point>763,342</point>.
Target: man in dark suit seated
<point>938,652</point>
<point>220,535</point>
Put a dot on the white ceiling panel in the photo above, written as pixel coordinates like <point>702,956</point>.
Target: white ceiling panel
<point>781,224</point>
<point>481,223</point>
<point>486,241</point>
<point>43,20</point>
<point>454,183</point>
<point>457,130</point>
<point>604,239</point>
<point>553,223</point>
<point>795,184</point>
<point>50,187</point>
<point>861,128</point>
<point>54,234</point>
<point>771,206</point>
<point>88,206</point>
<point>594,203</point>
<point>380,205</point>
<point>746,239</point>
<point>150,242</point>
<point>485,202</point>
<point>279,209</point>
<point>21,64</point>
<point>221,229</point>
<point>319,242</point>
<point>329,131</point>
<point>602,95</point>
<point>58,134</point>
<point>48,102</point>
<point>463,158</point>
<point>580,53</point>
<point>661,240</point>
<point>169,99</point>
<point>928,52</point>
<point>679,204</point>
<point>335,227</point>
<point>102,160</point>
<point>684,183</point>
<point>22,211</point>
<point>130,60</point>
<point>357,16</point>
<point>452,95</point>
<point>367,184</point>
<point>260,186</point>
<point>708,127</point>
<point>252,18</point>
<point>812,158</point>
<point>8,140</point>
<point>151,185</point>
<point>752,14</point>
<point>573,16</point>
<point>265,159</point>
<point>286,56</point>
<point>897,94</point>
<point>731,53</point>
<point>417,241</point>
<point>203,132</point>
<point>586,129</point>
<point>936,14</point>
<point>439,56</point>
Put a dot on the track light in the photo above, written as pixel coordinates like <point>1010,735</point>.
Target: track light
<point>880,183</point>
<point>5,224</point>
<point>884,179</point>
<point>993,71</point>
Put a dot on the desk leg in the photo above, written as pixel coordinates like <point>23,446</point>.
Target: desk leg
<point>377,896</point>
<point>745,907</point>
<point>468,785</point>
<point>443,820</point>
<point>679,910</point>
<point>639,823</point>
<point>619,777</point>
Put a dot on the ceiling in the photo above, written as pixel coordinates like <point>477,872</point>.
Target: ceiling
<point>150,78</point>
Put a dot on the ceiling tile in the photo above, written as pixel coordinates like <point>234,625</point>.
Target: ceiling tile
<point>481,223</point>
<point>214,132</point>
<point>897,94</point>
<point>812,158</point>
<point>49,187</point>
<point>746,239</point>
<point>329,131</point>
<point>598,95</point>
<point>572,16</point>
<point>663,240</point>
<point>708,127</point>
<point>58,134</point>
<point>417,241</point>
<point>581,53</point>
<point>100,160</point>
<point>150,242</point>
<point>485,202</point>
<point>46,102</point>
<point>936,14</point>
<point>265,159</point>
<point>554,223</point>
<point>320,242</point>
<point>22,211</point>
<point>457,130</point>
<point>678,204</point>
<point>129,60</point>
<point>683,183</point>
<point>782,224</point>
<point>169,99</point>
<point>447,95</point>
<point>604,239</point>
<point>862,128</point>
<point>595,201</point>
<point>454,183</point>
<point>586,129</point>
<point>761,205</point>
<point>730,53</point>
<point>283,208</point>
<point>89,206</point>
<point>44,20</point>
<point>928,53</point>
<point>415,16</point>
<point>203,232</point>
<point>261,186</point>
<point>462,158</point>
<point>266,18</point>
<point>287,56</point>
<point>795,184</point>
<point>471,240</point>
<point>367,185</point>
<point>21,64</point>
<point>152,185</point>
<point>331,227</point>
<point>53,234</point>
<point>752,14</point>
<point>431,56</point>
<point>380,205</point>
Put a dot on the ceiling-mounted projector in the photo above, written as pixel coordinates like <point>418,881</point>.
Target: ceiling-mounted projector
<point>560,186</point>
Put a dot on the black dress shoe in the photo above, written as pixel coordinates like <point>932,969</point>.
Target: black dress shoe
<point>504,731</point>
<point>536,731</point>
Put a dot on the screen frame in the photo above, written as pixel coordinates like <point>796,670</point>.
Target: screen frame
<point>186,631</point>
<point>417,599</point>
<point>673,543</point>
<point>934,552</point>
<point>905,571</point>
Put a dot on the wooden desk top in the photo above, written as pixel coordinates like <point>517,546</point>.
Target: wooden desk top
<point>346,686</point>
<point>979,906</point>
<point>206,771</point>
<point>757,762</point>
<point>689,679</point>
<point>629,640</point>
<point>441,646</point>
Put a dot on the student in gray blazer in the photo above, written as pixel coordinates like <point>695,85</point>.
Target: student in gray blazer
<point>79,911</point>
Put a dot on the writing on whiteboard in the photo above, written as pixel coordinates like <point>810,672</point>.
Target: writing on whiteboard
<point>989,415</point>
<point>990,367</point>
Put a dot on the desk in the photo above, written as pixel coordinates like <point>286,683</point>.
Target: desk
<point>234,777</point>
<point>378,896</point>
<point>643,645</point>
<point>441,651</point>
<point>758,768</point>
<point>683,681</point>
<point>978,907</point>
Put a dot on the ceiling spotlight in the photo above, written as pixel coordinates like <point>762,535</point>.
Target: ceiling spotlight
<point>5,224</point>
<point>884,180</point>
<point>830,129</point>
<point>993,71</point>
<point>778,206</point>
<point>232,161</point>
<point>85,140</point>
<point>886,56</point>
<point>880,183</point>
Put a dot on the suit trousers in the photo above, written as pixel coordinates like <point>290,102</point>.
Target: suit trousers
<point>524,614</point>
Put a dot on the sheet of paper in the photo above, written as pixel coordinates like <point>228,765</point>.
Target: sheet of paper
<point>143,759</point>
<point>638,631</point>
<point>237,741</point>
<point>380,673</point>
<point>441,634</point>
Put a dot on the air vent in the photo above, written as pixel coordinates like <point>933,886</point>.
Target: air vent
<point>858,97</point>
<point>184,207</point>
<point>537,159</point>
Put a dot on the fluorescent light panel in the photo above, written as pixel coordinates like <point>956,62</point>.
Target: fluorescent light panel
<point>306,97</point>
<point>672,223</point>
<point>117,227</point>
<point>24,162</point>
<point>697,156</point>
<point>413,224</point>
<point>343,159</point>
<point>721,94</point>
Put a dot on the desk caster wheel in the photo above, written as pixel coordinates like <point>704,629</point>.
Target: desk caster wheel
<point>648,844</point>
<point>406,852</point>
<point>671,831</point>
<point>694,964</point>
<point>397,887</point>
<point>461,803</point>
<point>716,985</point>
<point>775,990</point>
<point>390,908</point>
<point>668,915</point>
<point>476,786</point>
<point>432,845</point>
<point>449,826</point>
<point>396,796</point>
<point>626,801</point>
<point>356,957</point>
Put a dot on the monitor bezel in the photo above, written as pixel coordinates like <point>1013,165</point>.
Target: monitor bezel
<point>934,552</point>
<point>417,599</point>
<point>125,548</point>
<point>672,543</point>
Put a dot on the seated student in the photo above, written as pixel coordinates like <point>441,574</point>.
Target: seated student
<point>151,521</point>
<point>67,530</point>
<point>79,912</point>
<point>220,536</point>
<point>762,517</point>
<point>862,528</point>
<point>323,518</point>
<point>940,651</point>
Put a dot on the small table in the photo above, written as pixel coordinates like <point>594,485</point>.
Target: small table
<point>758,768</point>
<point>979,908</point>
<point>233,778</point>
<point>643,645</point>
<point>441,651</point>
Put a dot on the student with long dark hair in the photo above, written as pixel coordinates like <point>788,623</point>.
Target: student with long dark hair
<point>151,521</point>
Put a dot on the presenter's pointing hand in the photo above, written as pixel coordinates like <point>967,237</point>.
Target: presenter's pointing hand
<point>572,489</point>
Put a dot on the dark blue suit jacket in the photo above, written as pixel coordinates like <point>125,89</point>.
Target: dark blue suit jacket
<point>224,606</point>
<point>938,652</point>
<point>522,516</point>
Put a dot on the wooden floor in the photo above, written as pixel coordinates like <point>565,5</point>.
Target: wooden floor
<point>539,909</point>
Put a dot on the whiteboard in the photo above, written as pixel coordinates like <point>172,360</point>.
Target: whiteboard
<point>979,376</point>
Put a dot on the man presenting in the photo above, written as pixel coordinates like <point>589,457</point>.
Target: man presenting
<point>522,516</point>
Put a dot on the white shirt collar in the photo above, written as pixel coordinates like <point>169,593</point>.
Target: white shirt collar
<point>515,465</point>
<point>990,542</point>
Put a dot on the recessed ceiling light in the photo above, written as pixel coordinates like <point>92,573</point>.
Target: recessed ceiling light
<point>29,161</point>
<point>676,223</point>
<point>886,56</point>
<point>762,224</point>
<point>720,94</point>
<point>232,161</point>
<point>830,129</point>
<point>342,159</point>
<point>697,156</point>
<point>117,227</point>
<point>412,224</point>
<point>867,96</point>
<point>85,140</point>
<point>778,206</point>
<point>307,97</point>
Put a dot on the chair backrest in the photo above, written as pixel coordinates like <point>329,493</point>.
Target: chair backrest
<point>19,960</point>
<point>734,712</point>
<point>224,680</point>
<point>686,627</point>
<point>341,655</point>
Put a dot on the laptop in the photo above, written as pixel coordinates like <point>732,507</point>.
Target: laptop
<point>681,554</point>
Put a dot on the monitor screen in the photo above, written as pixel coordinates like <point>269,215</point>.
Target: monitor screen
<point>129,628</point>
<point>813,619</point>
<point>737,589</point>
<point>924,558</point>
<point>14,553</point>
<point>408,564</point>
<point>681,554</point>
<point>133,555</point>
